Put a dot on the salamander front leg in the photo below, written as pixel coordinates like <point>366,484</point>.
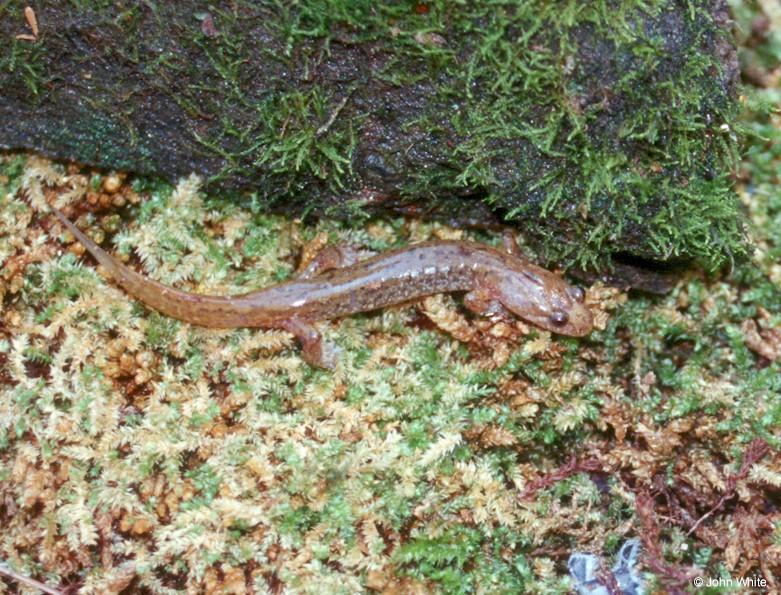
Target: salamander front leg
<point>315,350</point>
<point>511,244</point>
<point>483,303</point>
<point>330,257</point>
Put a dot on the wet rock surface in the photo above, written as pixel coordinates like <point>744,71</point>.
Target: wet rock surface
<point>595,133</point>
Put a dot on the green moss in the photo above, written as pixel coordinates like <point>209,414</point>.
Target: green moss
<point>443,559</point>
<point>23,62</point>
<point>520,76</point>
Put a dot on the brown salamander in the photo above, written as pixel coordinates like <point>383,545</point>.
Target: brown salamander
<point>336,284</point>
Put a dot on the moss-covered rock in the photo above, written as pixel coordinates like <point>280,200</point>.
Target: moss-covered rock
<point>600,127</point>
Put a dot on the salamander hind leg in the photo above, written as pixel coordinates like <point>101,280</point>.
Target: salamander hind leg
<point>315,350</point>
<point>330,257</point>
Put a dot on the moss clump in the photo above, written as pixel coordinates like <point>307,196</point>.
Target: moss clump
<point>599,128</point>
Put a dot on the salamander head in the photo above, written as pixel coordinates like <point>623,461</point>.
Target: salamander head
<point>544,299</point>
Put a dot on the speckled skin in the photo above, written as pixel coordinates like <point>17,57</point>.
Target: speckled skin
<point>495,281</point>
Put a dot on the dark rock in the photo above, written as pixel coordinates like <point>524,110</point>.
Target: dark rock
<point>596,131</point>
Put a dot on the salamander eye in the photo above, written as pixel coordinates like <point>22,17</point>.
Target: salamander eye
<point>577,294</point>
<point>559,318</point>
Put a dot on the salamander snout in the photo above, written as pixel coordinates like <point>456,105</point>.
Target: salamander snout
<point>571,317</point>
<point>575,320</point>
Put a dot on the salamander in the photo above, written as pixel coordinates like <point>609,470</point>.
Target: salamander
<point>336,284</point>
